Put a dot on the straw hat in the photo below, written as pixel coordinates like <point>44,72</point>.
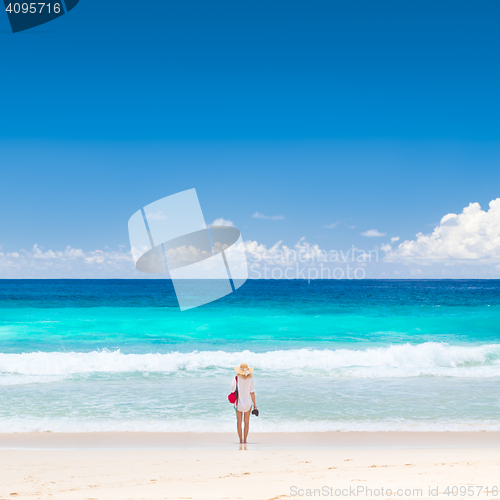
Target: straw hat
<point>243,369</point>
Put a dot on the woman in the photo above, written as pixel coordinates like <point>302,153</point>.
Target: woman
<point>246,397</point>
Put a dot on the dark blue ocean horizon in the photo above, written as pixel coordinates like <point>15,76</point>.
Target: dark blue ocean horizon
<point>161,293</point>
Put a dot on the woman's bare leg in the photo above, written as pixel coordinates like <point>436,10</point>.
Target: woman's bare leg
<point>239,416</point>
<point>247,423</point>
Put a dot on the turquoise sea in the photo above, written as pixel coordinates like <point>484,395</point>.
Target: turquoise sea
<point>119,355</point>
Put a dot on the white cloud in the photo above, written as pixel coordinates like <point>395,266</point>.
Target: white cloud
<point>472,236</point>
<point>373,233</point>
<point>305,254</point>
<point>68,263</point>
<point>158,215</point>
<point>332,226</point>
<point>222,222</point>
<point>466,245</point>
<point>258,215</point>
<point>279,254</point>
<point>69,253</point>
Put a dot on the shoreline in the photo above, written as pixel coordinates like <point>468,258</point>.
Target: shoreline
<point>257,441</point>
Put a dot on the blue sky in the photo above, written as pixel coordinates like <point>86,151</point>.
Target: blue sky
<point>366,115</point>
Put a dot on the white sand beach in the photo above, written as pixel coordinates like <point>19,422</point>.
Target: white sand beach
<point>279,466</point>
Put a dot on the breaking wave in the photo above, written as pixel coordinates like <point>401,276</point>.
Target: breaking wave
<point>405,360</point>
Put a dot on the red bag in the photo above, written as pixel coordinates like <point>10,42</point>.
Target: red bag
<point>233,396</point>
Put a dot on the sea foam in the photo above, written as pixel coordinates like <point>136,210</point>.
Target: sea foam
<point>404,360</point>
<point>24,425</point>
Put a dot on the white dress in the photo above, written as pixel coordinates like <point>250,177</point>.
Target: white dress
<point>245,387</point>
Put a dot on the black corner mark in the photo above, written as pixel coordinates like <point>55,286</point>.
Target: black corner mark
<point>26,15</point>
<point>70,4</point>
